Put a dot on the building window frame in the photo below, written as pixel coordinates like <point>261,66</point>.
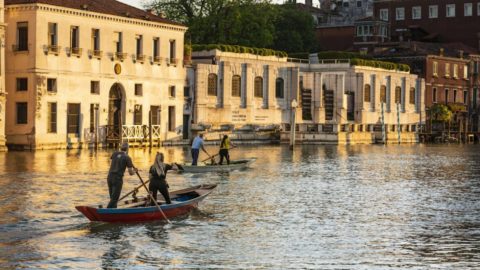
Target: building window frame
<point>172,91</point>
<point>279,88</point>
<point>258,87</point>
<point>434,95</point>
<point>22,37</point>
<point>455,98</point>
<point>467,9</point>
<point>447,94</point>
<point>447,70</point>
<point>212,84</point>
<point>21,113</point>
<point>416,12</point>
<point>398,95</point>
<point>465,97</point>
<point>52,117</point>
<point>52,36</point>
<point>73,118</point>
<point>171,118</point>
<point>22,84</point>
<point>138,115</point>
<point>413,92</point>
<point>455,71</point>
<point>383,14</point>
<point>367,93</point>
<point>433,11</point>
<point>138,89</point>
<point>400,13</point>
<point>383,94</point>
<point>435,68</point>
<point>236,86</point>
<point>95,87</point>
<point>52,85</point>
<point>450,10</point>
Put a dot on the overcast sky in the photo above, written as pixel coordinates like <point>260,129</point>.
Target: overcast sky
<point>138,3</point>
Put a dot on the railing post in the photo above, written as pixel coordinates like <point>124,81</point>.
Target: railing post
<point>150,131</point>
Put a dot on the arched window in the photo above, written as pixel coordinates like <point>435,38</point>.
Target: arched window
<point>412,95</point>
<point>366,93</point>
<point>383,94</point>
<point>258,90</point>
<point>279,88</point>
<point>236,85</point>
<point>212,84</point>
<point>398,94</point>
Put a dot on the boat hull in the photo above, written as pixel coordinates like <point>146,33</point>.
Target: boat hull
<point>234,165</point>
<point>150,213</point>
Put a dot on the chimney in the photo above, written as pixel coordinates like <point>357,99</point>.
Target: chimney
<point>442,51</point>
<point>460,54</point>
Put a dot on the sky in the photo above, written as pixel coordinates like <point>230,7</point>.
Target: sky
<point>138,3</point>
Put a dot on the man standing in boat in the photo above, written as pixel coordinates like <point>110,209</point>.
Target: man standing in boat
<point>120,162</point>
<point>196,146</point>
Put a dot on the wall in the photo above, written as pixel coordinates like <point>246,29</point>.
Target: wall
<point>2,79</point>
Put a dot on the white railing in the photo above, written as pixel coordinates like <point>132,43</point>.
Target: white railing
<point>139,132</point>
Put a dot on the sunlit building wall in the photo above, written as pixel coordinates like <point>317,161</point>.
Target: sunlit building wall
<point>79,73</point>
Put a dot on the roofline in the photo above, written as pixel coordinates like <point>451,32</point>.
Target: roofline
<point>179,25</point>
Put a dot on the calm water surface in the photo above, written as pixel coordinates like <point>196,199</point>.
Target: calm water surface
<point>320,207</point>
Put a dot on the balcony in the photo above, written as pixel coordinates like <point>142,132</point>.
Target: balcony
<point>95,54</point>
<point>139,58</point>
<point>120,56</point>
<point>52,49</point>
<point>172,61</point>
<point>18,48</point>
<point>157,60</point>
<point>74,52</point>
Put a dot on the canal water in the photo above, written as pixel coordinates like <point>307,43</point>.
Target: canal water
<point>318,207</point>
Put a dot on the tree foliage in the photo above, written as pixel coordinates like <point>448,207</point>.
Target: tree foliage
<point>252,23</point>
<point>440,112</point>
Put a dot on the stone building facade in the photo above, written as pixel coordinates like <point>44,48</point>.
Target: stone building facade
<point>3,93</point>
<point>338,102</point>
<point>80,74</point>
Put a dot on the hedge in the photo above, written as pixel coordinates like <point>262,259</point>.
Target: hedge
<point>238,49</point>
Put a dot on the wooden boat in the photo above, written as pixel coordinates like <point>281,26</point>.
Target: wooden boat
<point>135,210</point>
<point>206,167</point>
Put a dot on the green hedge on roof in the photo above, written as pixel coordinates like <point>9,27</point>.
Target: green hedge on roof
<point>357,59</point>
<point>238,49</point>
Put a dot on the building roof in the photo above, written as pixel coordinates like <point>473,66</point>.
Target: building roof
<point>416,48</point>
<point>111,7</point>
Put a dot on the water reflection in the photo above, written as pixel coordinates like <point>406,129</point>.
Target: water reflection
<point>318,207</point>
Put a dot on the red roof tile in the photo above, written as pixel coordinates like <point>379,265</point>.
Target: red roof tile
<point>111,7</point>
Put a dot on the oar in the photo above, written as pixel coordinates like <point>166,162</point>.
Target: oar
<point>210,157</point>
<point>151,197</point>
<point>135,190</point>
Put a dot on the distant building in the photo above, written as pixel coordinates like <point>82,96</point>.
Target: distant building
<point>81,72</point>
<point>3,93</point>
<point>431,20</point>
<point>338,102</point>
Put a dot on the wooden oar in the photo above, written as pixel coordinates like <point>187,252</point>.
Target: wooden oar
<point>151,197</point>
<point>135,190</point>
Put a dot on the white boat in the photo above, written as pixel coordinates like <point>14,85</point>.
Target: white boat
<point>205,167</point>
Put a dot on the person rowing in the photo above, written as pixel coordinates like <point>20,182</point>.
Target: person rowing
<point>158,177</point>
<point>224,147</point>
<point>120,161</point>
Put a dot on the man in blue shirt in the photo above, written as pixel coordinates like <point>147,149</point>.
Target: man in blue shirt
<point>196,146</point>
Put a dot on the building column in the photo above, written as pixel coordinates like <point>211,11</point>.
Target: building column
<point>266,86</point>
<point>243,90</point>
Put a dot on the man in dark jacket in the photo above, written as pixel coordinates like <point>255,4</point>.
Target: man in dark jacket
<point>120,161</point>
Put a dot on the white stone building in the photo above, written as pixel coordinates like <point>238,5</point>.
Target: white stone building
<point>84,71</point>
<point>337,102</point>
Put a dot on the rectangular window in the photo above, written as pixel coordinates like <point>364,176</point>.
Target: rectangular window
<point>137,115</point>
<point>155,111</point>
<point>279,88</point>
<point>156,49</point>
<point>359,31</point>
<point>22,36</point>
<point>412,95</point>
<point>139,45</point>
<point>359,4</point>
<point>465,97</point>
<point>447,69</point>
<point>383,94</point>
<point>52,117</point>
<point>74,37</point>
<point>95,87</point>
<point>446,95</point>
<point>51,85</point>
<point>465,72</point>
<point>467,9</point>
<point>138,89</point>
<point>171,118</point>
<point>186,91</point>
<point>400,14</point>
<point>96,40</point>
<point>417,13</point>
<point>52,35</point>
<point>450,10</point>
<point>173,46</point>
<point>118,42</point>
<point>22,113</point>
<point>171,91</point>
<point>398,94</point>
<point>384,14</point>
<point>435,68</point>
<point>22,84</point>
<point>478,9</point>
<point>93,112</point>
<point>73,118</point>
<point>236,86</point>
<point>454,95</point>
<point>455,71</point>
<point>434,95</point>
<point>433,12</point>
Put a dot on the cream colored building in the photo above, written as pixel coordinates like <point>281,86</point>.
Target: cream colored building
<point>337,102</point>
<point>81,72</point>
<point>2,78</point>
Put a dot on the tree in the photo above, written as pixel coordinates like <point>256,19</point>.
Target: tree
<point>440,112</point>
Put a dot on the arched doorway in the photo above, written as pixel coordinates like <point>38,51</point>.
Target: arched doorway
<point>116,113</point>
